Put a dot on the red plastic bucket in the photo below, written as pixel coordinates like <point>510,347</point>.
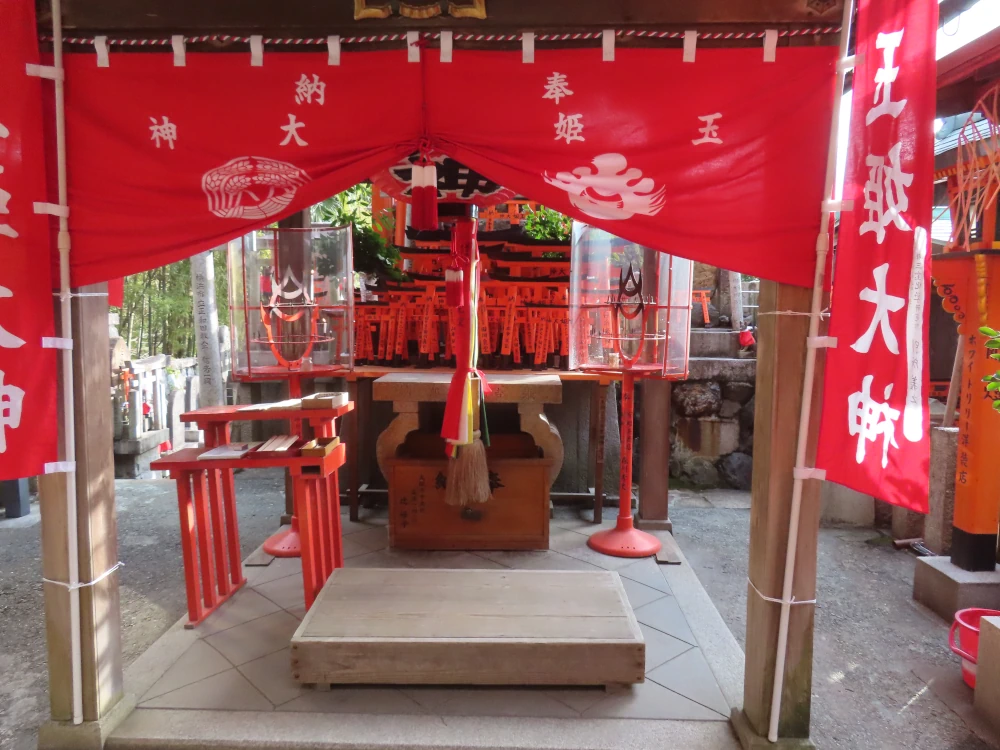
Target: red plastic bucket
<point>966,625</point>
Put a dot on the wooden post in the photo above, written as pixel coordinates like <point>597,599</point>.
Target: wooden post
<point>100,617</point>
<point>780,366</point>
<point>654,446</point>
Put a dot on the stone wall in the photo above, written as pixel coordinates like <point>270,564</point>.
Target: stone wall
<point>711,436</point>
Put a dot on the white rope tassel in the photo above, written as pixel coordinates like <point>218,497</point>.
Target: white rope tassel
<point>447,38</point>
<point>180,52</point>
<point>101,48</point>
<point>608,45</point>
<point>256,51</point>
<point>412,49</point>
<point>528,47</point>
<point>770,44</point>
<point>690,43</point>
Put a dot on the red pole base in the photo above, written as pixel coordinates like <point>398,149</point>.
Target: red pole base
<point>624,541</point>
<point>285,543</point>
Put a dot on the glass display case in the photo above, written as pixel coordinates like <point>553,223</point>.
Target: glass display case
<point>291,302</point>
<point>629,307</point>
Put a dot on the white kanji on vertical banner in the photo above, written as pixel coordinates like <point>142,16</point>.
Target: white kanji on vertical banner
<point>556,87</point>
<point>11,399</point>
<point>569,127</point>
<point>885,303</point>
<point>292,132</point>
<point>709,131</point>
<point>885,194</point>
<point>6,230</point>
<point>870,419</point>
<point>884,78</point>
<point>305,90</point>
<point>164,131</point>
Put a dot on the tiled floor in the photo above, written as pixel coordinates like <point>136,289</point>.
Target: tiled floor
<point>240,659</point>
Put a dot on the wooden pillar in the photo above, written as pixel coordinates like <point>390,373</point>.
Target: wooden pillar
<point>654,447</point>
<point>97,535</point>
<point>780,365</point>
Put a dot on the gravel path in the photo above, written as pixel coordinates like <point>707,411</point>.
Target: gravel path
<point>870,635</point>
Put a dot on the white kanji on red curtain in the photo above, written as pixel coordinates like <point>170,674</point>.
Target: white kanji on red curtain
<point>874,436</point>
<point>27,370</point>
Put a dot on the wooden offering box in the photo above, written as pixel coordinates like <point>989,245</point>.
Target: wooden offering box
<point>517,517</point>
<point>469,627</point>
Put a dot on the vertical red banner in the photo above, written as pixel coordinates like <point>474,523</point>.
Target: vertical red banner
<point>875,431</point>
<point>27,366</point>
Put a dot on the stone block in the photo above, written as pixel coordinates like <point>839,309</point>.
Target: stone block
<point>710,437</point>
<point>146,442</point>
<point>723,370</point>
<point>987,696</point>
<point>713,342</point>
<point>738,392</point>
<point>938,524</point>
<point>697,399</point>
<point>944,588</point>
<point>906,524</point>
<point>841,505</point>
<point>135,465</point>
<point>736,470</point>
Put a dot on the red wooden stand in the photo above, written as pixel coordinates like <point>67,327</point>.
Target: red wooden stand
<point>210,541</point>
<point>625,540</point>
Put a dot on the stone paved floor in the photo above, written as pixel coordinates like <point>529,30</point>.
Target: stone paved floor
<point>240,660</point>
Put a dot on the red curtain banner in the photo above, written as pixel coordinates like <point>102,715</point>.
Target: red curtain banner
<point>720,159</point>
<point>875,431</point>
<point>28,431</point>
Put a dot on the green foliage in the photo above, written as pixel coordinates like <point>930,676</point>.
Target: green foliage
<point>372,254</point>
<point>157,315</point>
<point>993,344</point>
<point>546,224</point>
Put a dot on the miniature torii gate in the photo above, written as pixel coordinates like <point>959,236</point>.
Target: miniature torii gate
<point>782,339</point>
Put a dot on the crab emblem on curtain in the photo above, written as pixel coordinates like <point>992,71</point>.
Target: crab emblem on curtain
<point>609,189</point>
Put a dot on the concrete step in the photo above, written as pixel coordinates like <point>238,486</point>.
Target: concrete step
<point>714,342</point>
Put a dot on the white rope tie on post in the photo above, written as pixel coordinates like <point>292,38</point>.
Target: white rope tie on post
<point>63,296</point>
<point>51,209</point>
<point>771,599</point>
<point>803,473</point>
<point>822,342</point>
<point>59,467</point>
<point>44,71</point>
<point>87,584</point>
<point>832,207</point>
<point>54,342</point>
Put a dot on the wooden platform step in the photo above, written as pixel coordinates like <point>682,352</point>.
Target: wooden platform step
<point>469,627</point>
